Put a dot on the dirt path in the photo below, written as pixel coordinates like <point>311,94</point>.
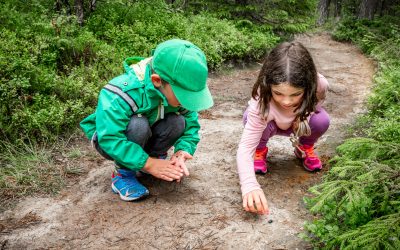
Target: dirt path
<point>204,212</point>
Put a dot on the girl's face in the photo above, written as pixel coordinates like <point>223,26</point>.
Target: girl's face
<point>287,96</point>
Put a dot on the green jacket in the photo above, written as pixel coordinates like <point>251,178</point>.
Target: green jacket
<point>128,94</point>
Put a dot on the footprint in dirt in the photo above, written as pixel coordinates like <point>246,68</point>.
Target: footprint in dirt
<point>205,210</point>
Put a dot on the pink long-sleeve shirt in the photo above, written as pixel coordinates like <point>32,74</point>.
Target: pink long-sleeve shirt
<point>254,128</point>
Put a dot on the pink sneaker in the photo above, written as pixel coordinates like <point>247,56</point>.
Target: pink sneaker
<point>311,162</point>
<point>260,161</point>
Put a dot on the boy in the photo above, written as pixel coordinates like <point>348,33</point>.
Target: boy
<point>145,111</point>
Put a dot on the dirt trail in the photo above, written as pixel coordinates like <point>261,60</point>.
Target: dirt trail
<point>203,212</point>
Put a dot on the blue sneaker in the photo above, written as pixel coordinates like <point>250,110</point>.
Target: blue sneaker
<point>125,184</point>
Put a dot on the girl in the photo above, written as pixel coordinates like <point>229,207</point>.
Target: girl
<point>286,100</point>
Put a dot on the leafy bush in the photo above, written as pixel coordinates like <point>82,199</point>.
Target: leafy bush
<point>359,192</point>
<point>358,202</point>
<point>38,97</point>
<point>281,17</point>
<point>52,69</point>
<point>144,26</point>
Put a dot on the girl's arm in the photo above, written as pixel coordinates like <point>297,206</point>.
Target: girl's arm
<point>251,136</point>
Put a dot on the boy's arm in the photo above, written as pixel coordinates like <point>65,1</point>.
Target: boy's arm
<point>190,138</point>
<point>112,118</point>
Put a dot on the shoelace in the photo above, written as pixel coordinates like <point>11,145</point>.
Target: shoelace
<point>260,154</point>
<point>309,152</point>
<point>129,181</point>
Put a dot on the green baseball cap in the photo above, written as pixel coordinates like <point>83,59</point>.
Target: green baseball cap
<point>183,65</point>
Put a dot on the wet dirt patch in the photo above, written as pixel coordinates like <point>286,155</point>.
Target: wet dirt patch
<point>204,211</point>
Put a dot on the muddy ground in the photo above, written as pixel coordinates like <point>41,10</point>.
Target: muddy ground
<point>203,212</point>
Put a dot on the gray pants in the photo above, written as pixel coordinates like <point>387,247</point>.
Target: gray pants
<point>155,140</point>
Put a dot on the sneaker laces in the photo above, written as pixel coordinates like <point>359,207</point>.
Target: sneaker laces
<point>130,183</point>
<point>128,176</point>
<point>309,150</point>
<point>260,154</point>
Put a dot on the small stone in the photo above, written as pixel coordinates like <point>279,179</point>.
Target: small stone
<point>270,221</point>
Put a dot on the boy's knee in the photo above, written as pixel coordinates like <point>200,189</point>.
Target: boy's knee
<point>172,126</point>
<point>165,133</point>
<point>176,123</point>
<point>138,130</point>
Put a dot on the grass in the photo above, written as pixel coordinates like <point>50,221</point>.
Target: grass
<point>32,168</point>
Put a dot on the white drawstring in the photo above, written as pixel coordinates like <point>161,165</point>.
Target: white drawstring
<point>162,111</point>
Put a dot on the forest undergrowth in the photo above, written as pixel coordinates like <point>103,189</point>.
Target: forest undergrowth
<point>358,202</point>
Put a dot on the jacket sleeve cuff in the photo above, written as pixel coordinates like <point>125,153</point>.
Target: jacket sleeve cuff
<point>184,147</point>
<point>142,161</point>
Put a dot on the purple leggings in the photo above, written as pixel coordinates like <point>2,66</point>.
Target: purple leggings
<point>319,124</point>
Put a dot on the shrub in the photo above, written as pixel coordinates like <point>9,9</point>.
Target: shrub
<point>358,202</point>
<point>52,69</point>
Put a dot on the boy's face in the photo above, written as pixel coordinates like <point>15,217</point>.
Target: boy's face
<point>169,94</point>
<point>165,89</point>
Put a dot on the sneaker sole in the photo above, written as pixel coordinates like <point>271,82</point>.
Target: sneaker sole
<point>123,197</point>
<point>261,172</point>
<point>310,170</point>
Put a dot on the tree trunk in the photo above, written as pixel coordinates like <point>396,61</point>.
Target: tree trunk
<point>79,11</point>
<point>241,2</point>
<point>92,5</point>
<point>338,8</point>
<point>368,9</point>
<point>323,10</point>
<point>59,4</point>
<point>386,7</point>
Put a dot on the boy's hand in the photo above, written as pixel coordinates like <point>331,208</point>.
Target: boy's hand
<point>179,158</point>
<point>163,169</point>
<point>255,202</point>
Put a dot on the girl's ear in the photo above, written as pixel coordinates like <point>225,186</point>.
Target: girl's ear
<point>156,80</point>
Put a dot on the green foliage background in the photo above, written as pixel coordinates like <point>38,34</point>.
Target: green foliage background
<point>52,69</point>
<point>358,202</point>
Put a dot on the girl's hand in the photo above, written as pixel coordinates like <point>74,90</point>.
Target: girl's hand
<point>179,158</point>
<point>163,169</point>
<point>255,202</point>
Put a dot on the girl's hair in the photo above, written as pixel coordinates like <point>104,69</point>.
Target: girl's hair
<point>288,63</point>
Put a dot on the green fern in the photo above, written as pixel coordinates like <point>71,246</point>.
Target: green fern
<point>380,233</point>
